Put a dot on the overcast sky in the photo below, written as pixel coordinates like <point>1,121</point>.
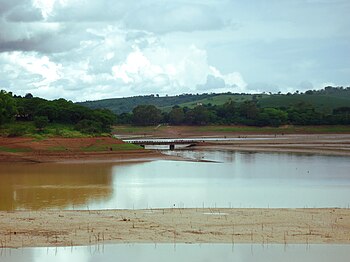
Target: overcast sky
<point>92,49</point>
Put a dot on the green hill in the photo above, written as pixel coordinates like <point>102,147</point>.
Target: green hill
<point>324,100</point>
<point>127,104</point>
<point>217,99</point>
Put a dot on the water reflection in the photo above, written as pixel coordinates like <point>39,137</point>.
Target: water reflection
<point>181,252</point>
<point>38,186</point>
<point>249,180</point>
<point>233,180</point>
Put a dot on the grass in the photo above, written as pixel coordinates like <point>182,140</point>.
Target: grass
<point>13,150</point>
<point>27,129</point>
<point>215,100</point>
<point>323,103</point>
<point>114,147</point>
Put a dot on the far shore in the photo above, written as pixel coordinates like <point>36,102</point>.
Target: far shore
<point>70,148</point>
<point>321,144</point>
<point>98,227</point>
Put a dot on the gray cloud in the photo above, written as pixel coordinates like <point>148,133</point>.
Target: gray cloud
<point>154,16</point>
<point>92,49</point>
<point>6,5</point>
<point>163,18</point>
<point>91,11</point>
<point>24,13</point>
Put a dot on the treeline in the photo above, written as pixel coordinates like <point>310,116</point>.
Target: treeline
<point>245,113</point>
<point>42,112</point>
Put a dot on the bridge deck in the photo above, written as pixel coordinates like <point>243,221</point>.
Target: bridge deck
<point>164,142</point>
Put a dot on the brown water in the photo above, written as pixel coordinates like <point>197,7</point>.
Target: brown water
<point>38,186</point>
<point>237,180</point>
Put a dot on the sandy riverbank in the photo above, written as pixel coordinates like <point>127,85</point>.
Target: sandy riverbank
<point>67,228</point>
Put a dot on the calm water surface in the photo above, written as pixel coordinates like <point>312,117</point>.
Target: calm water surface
<point>234,180</point>
<point>181,252</point>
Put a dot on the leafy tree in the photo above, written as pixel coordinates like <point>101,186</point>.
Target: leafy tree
<point>28,95</point>
<point>248,110</point>
<point>144,115</point>
<point>40,122</point>
<point>201,115</point>
<point>89,126</point>
<point>8,107</point>
<point>124,118</point>
<point>176,115</point>
<point>272,117</point>
<point>228,112</point>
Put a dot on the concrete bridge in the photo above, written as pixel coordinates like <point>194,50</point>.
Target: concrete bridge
<point>161,142</point>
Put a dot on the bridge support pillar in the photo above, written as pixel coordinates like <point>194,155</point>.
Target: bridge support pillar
<point>171,146</point>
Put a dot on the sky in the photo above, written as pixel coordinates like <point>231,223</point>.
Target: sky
<point>94,49</point>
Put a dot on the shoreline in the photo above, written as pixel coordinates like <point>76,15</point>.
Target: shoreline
<point>327,144</point>
<point>220,225</point>
<point>49,228</point>
<point>321,144</point>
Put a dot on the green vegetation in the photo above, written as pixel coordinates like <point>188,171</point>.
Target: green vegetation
<point>321,102</point>
<point>253,112</point>
<point>13,150</point>
<point>24,128</point>
<point>145,115</point>
<point>215,99</point>
<point>39,118</point>
<point>127,104</point>
<point>325,100</point>
<point>33,116</point>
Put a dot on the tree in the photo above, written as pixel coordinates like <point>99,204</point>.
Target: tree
<point>40,122</point>
<point>89,126</point>
<point>201,115</point>
<point>28,95</point>
<point>176,115</point>
<point>249,110</point>
<point>8,107</point>
<point>144,115</point>
<point>272,117</point>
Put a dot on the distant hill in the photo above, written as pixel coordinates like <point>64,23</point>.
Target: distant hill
<point>127,104</point>
<point>324,100</point>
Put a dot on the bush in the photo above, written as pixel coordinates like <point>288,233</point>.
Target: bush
<point>40,122</point>
<point>16,131</point>
<point>89,127</point>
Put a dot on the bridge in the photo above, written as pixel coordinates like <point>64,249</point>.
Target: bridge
<point>160,142</point>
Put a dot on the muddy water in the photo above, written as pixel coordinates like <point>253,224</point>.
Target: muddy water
<point>62,186</point>
<point>233,180</point>
<point>181,252</point>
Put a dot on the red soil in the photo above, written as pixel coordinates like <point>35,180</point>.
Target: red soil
<point>65,149</point>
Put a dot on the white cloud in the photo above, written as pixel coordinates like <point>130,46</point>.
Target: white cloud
<point>91,49</point>
<point>173,71</point>
<point>46,71</point>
